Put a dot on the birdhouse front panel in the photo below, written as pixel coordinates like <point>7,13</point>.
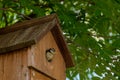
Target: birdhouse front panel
<point>38,58</point>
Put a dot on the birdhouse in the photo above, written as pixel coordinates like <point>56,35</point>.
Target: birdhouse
<point>34,50</point>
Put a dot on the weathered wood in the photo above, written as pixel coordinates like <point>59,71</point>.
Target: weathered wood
<point>28,23</point>
<point>62,45</point>
<point>14,66</point>
<point>1,67</point>
<point>56,68</point>
<point>23,37</point>
<point>25,75</point>
<point>28,33</point>
<point>23,50</point>
<point>38,75</point>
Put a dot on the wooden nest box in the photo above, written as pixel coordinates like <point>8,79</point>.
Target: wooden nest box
<point>34,50</point>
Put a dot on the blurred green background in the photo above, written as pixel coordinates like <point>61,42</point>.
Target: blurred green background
<point>91,29</point>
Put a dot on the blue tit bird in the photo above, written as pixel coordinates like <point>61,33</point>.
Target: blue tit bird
<point>50,54</point>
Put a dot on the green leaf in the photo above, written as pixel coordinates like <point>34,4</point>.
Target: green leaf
<point>1,11</point>
<point>95,78</point>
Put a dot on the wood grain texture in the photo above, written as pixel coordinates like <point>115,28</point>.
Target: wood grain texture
<point>62,45</point>
<point>1,67</point>
<point>56,68</point>
<point>28,23</point>
<point>25,75</point>
<point>24,37</point>
<point>38,75</point>
<point>13,66</point>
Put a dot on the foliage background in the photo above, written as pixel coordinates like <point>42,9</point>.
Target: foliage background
<point>91,29</point>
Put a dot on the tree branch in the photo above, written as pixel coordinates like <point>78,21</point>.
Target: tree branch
<point>83,48</point>
<point>7,9</point>
<point>4,15</point>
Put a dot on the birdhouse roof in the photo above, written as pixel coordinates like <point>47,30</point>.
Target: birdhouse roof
<point>29,32</point>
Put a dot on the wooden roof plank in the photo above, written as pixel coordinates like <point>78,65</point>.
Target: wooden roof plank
<point>27,23</point>
<point>22,37</point>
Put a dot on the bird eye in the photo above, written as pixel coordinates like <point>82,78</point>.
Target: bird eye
<point>52,49</point>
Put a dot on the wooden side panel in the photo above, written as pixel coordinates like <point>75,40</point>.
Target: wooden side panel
<point>13,66</point>
<point>1,67</point>
<point>56,68</point>
<point>25,75</point>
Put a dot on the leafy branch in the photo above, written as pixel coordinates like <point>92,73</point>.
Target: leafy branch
<point>4,15</point>
<point>13,11</point>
